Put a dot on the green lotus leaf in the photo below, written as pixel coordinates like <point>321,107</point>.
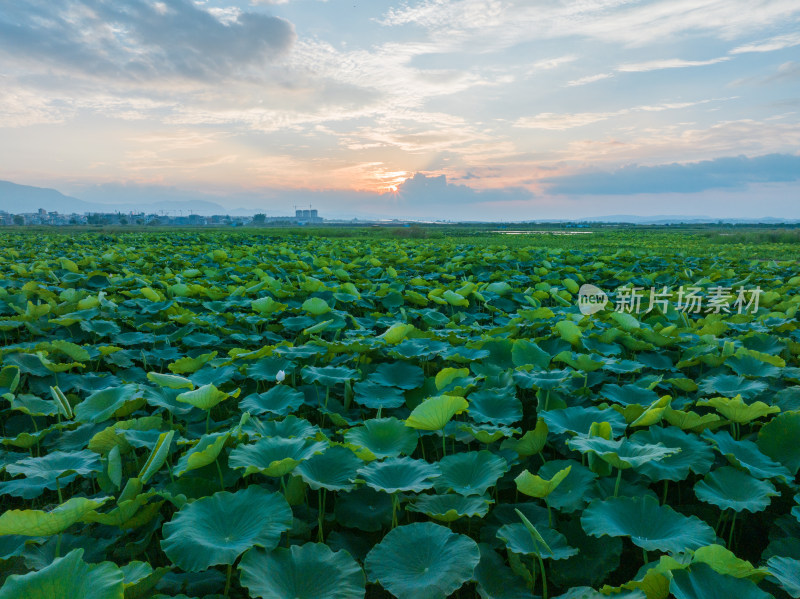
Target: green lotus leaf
<point>157,457</point>
<point>571,494</point>
<point>692,421</point>
<point>328,376</point>
<point>730,386</point>
<point>729,488</point>
<point>622,453</point>
<point>217,529</point>
<point>495,406</point>
<point>579,420</point>
<point>365,509</point>
<point>598,556</point>
<point>57,465</point>
<point>542,379</point>
<point>205,397</point>
<point>333,470</point>
<point>531,443</point>
<point>372,395</point>
<point>170,381</point>
<point>495,580</point>
<point>113,402</point>
<point>651,526</point>
<point>590,593</point>
<point>38,523</point>
<point>188,365</point>
<point>68,577</point>
<point>747,455</point>
<point>203,453</point>
<point>9,379</point>
<point>736,410</point>
<point>435,412</point>
<point>399,474</point>
<point>310,571</point>
<point>384,437</point>
<point>289,427</point>
<point>281,400</point>
<point>519,539</point>
<point>32,405</point>
<point>700,580</point>
<point>450,507</point>
<point>628,395</point>
<point>315,306</point>
<point>694,454</point>
<point>525,352</point>
<point>398,374</point>
<point>470,472</point>
<point>725,561</point>
<point>569,331</point>
<point>534,485</point>
<point>422,561</point>
<point>267,305</point>
<point>273,456</point>
<point>267,369</point>
<point>778,440</point>
<point>484,433</point>
<point>140,578</point>
<point>787,571</point>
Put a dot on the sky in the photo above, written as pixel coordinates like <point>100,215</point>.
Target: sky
<point>433,109</point>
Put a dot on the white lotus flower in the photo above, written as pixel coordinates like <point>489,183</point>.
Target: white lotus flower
<point>281,376</point>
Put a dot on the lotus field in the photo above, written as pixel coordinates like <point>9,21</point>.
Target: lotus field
<point>208,414</point>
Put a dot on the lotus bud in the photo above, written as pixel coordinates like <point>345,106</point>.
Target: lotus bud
<point>281,376</point>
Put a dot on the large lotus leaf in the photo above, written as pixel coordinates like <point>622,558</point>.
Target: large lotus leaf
<point>450,507</point>
<point>273,456</point>
<point>746,454</point>
<point>519,539</point>
<point>33,406</point>
<point>497,406</point>
<point>140,578</point>
<point>778,439</point>
<point>170,381</point>
<point>310,571</point>
<point>694,454</point>
<point>384,437</point>
<point>365,509</point>
<point>531,443</point>
<point>729,488</point>
<point>495,580</point>
<point>111,402</point>
<point>218,528</point>
<point>328,376</point>
<point>730,385</point>
<point>68,577</point>
<point>435,412</point>
<point>622,453</point>
<point>736,410</point>
<point>289,427</point>
<point>38,523</point>
<point>597,558</point>
<point>372,395</point>
<point>627,395</point>
<point>569,331</point>
<point>333,470</point>
<point>484,433</point>
<point>725,561</point>
<point>399,474</point>
<point>205,397</point>
<point>188,365</point>
<point>203,453</point>
<point>590,593</point>
<point>787,571</point>
<point>470,472</point>
<point>542,379</point>
<point>651,526</point>
<point>398,374</point>
<point>571,493</point>
<point>692,421</point>
<point>268,369</point>
<point>46,471</point>
<point>281,400</point>
<point>579,420</point>
<point>700,580</point>
<point>422,561</point>
<point>534,485</point>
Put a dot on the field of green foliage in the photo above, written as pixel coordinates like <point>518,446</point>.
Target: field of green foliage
<point>189,414</point>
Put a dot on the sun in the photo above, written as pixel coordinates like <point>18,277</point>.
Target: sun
<point>390,181</point>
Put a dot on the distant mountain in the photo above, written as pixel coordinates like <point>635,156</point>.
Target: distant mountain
<point>18,199</point>
<point>24,198</point>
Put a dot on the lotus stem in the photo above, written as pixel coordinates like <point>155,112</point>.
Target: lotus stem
<point>549,513</point>
<point>644,556</point>
<point>444,444</point>
<point>730,533</point>
<point>208,420</point>
<point>395,505</point>
<point>321,518</point>
<point>58,546</point>
<point>228,580</point>
<point>544,577</point>
<point>619,480</point>
<point>219,471</point>
<point>664,497</point>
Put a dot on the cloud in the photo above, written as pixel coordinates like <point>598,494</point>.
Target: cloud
<point>770,45</point>
<point>138,40</point>
<point>589,79</point>
<point>669,63</point>
<point>428,191</point>
<point>720,173</point>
